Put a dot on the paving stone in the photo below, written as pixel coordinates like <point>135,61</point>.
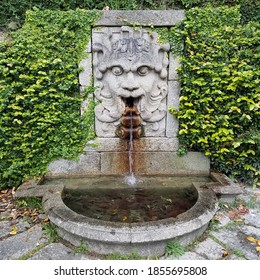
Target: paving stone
<point>7,226</point>
<point>58,251</point>
<point>222,219</point>
<point>18,245</point>
<point>5,215</point>
<point>210,249</point>
<point>253,218</point>
<point>236,240</point>
<point>186,256</point>
<point>250,230</point>
<point>235,257</point>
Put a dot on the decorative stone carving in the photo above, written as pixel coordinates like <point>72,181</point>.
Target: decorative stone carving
<point>130,68</point>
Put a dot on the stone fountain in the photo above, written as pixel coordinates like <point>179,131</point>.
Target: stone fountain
<point>136,80</point>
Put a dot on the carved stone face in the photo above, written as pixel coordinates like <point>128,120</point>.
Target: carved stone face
<point>134,81</point>
<point>130,68</point>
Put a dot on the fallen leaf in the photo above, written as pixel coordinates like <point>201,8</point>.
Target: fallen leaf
<point>224,254</point>
<point>45,220</point>
<point>257,194</point>
<point>34,214</point>
<point>244,211</point>
<point>257,248</point>
<point>124,218</point>
<point>258,242</point>
<point>232,214</point>
<point>4,191</point>
<point>14,230</point>
<point>251,239</point>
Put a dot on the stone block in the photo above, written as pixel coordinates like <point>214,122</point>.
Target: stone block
<point>210,249</point>
<point>88,164</point>
<point>86,74</point>
<point>154,163</point>
<point>156,144</point>
<point>57,251</point>
<point>187,256</point>
<point>7,226</point>
<point>114,163</point>
<point>174,64</point>
<point>155,18</point>
<point>172,124</point>
<point>89,47</point>
<point>18,245</point>
<point>106,145</point>
<point>146,144</point>
<point>235,239</point>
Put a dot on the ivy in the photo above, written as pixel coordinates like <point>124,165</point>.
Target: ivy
<point>12,12</point>
<point>220,98</point>
<point>39,93</point>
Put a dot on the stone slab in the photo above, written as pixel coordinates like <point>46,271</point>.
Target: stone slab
<point>7,226</point>
<point>148,144</point>
<point>210,249</point>
<point>86,74</point>
<point>253,218</point>
<point>153,163</point>
<point>236,240</point>
<point>174,64</point>
<point>18,245</point>
<point>172,124</point>
<point>140,17</point>
<point>187,256</point>
<point>58,251</point>
<point>37,191</point>
<point>87,164</point>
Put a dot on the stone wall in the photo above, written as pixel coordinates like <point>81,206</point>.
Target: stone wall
<point>144,70</point>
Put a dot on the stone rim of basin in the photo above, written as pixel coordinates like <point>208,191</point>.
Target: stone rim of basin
<point>88,228</point>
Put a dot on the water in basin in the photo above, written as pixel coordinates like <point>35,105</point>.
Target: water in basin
<point>110,198</point>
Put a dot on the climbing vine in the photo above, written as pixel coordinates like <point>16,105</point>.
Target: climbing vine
<point>220,99</point>
<point>39,93</point>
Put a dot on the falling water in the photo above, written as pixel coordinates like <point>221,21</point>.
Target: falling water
<point>131,179</point>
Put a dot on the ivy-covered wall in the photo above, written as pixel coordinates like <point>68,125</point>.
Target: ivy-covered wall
<point>39,93</point>
<point>220,92</point>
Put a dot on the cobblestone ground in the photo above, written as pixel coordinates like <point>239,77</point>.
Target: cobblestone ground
<point>234,233</point>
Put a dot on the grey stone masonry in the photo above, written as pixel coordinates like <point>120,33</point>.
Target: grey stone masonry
<point>174,64</point>
<point>140,17</point>
<point>117,163</point>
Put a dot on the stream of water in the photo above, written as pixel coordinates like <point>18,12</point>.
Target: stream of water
<point>131,179</point>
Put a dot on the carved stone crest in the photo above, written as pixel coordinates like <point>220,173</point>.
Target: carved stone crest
<point>130,68</point>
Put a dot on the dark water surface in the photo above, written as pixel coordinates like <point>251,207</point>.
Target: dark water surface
<point>111,199</point>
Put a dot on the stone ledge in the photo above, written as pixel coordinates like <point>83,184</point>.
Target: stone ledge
<point>140,17</point>
<point>154,163</point>
<point>148,144</point>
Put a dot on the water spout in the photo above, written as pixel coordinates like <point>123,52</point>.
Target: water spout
<point>130,125</point>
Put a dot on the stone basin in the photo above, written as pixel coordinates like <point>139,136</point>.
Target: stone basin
<point>144,238</point>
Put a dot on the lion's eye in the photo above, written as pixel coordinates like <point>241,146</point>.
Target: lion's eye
<point>143,70</point>
<point>117,70</point>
